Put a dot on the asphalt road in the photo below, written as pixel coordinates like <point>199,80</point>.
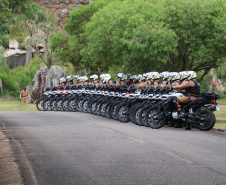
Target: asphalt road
<point>60,148</point>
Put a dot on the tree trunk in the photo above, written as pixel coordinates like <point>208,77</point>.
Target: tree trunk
<point>1,86</point>
<point>28,54</point>
<point>36,50</point>
<point>48,78</point>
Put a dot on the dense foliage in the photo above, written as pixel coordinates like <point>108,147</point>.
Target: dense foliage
<point>145,35</point>
<point>68,47</point>
<point>16,79</point>
<point>23,19</point>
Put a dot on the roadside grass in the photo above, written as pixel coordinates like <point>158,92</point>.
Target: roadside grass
<point>16,106</point>
<point>221,118</point>
<point>19,106</point>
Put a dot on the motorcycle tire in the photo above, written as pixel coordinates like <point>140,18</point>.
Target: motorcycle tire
<point>122,113</point>
<point>65,104</point>
<point>53,104</point>
<point>79,103</point>
<point>59,104</point>
<point>98,107</point>
<point>85,105</point>
<point>93,107</point>
<point>107,113</point>
<point>131,112</point>
<point>103,108</point>
<point>142,115</point>
<point>209,119</point>
<point>72,105</point>
<point>155,118</point>
<point>46,104</point>
<point>112,110</point>
<point>136,114</point>
<point>39,104</point>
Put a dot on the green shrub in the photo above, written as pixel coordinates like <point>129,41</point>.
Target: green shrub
<point>10,86</point>
<point>4,29</point>
<point>4,41</point>
<point>16,79</point>
<point>24,75</point>
<point>4,68</point>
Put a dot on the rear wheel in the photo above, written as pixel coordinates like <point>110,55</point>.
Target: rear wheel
<point>207,119</point>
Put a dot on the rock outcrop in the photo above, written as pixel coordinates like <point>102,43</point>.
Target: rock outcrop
<point>17,57</point>
<point>216,84</point>
<point>13,44</point>
<point>60,9</point>
<point>45,78</point>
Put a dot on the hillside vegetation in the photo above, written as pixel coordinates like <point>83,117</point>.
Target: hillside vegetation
<point>111,36</point>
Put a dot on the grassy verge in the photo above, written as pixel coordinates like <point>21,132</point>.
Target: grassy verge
<point>16,106</point>
<point>221,118</point>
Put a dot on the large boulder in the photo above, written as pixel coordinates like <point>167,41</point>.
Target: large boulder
<point>45,78</point>
<point>13,44</point>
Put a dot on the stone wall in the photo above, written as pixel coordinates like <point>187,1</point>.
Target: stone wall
<point>16,60</point>
<point>60,9</point>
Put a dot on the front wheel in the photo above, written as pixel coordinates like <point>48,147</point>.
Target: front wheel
<point>39,104</point>
<point>122,113</point>
<point>59,104</point>
<point>142,115</point>
<point>207,119</point>
<point>79,104</point>
<point>65,104</point>
<point>85,104</point>
<point>72,105</point>
<point>155,118</point>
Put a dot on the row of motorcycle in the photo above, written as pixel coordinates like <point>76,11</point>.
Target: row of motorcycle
<point>150,107</point>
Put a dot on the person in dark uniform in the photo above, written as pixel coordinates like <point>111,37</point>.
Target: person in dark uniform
<point>190,88</point>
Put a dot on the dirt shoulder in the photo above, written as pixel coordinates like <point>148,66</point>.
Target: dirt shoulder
<point>9,171</point>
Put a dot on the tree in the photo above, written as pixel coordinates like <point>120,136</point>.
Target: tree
<point>37,25</point>
<point>69,46</point>
<point>158,35</point>
<point>5,12</point>
<point>8,7</point>
<point>19,5</point>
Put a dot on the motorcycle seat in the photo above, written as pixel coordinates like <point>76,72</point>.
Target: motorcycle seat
<point>194,102</point>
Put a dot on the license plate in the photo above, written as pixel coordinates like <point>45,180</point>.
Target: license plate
<point>218,108</point>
